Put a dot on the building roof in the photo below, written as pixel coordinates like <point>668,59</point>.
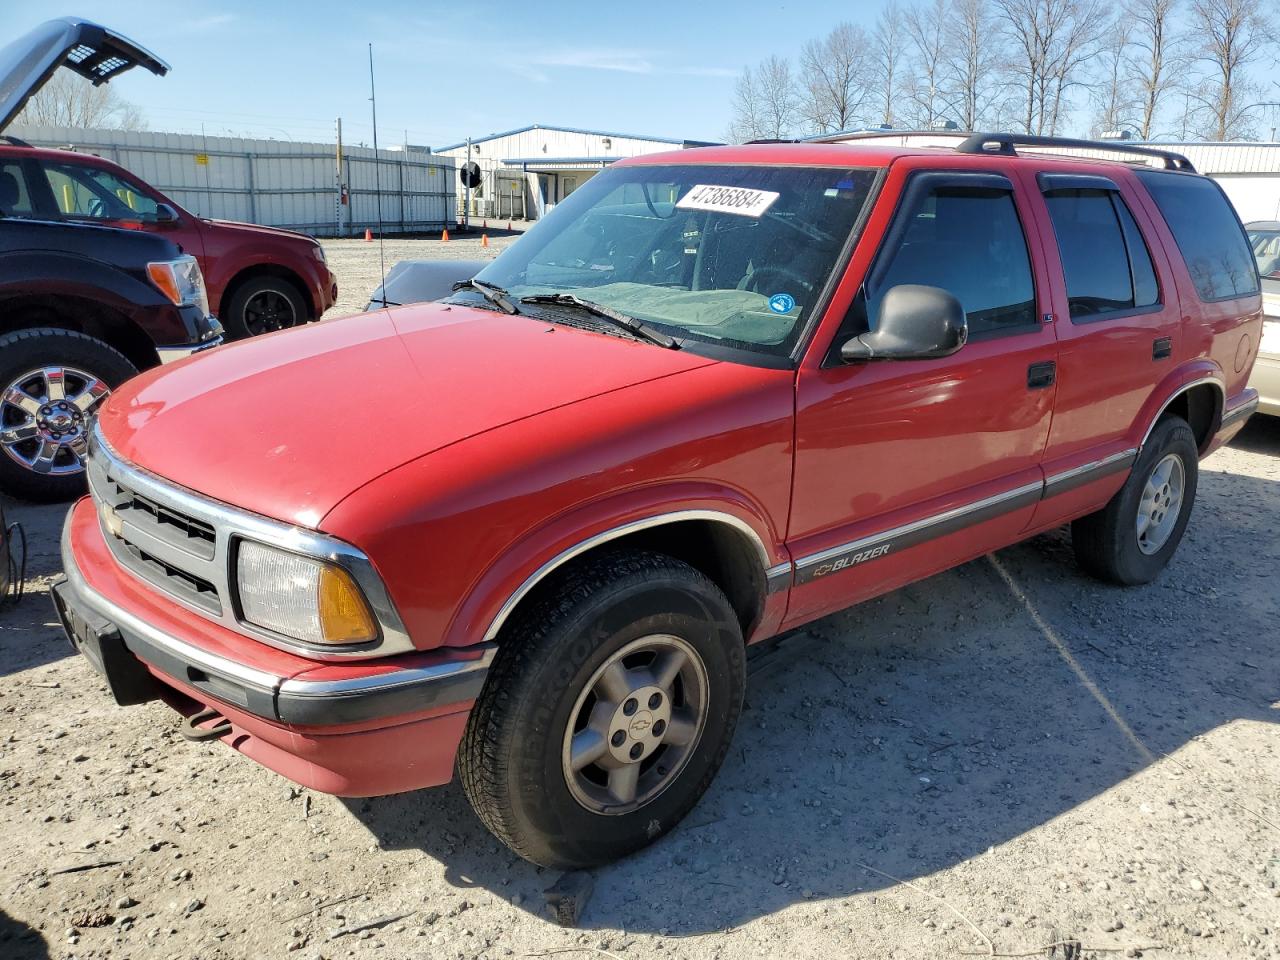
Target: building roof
<point>595,133</point>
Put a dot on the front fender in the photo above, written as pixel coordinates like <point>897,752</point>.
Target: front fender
<point>458,533</point>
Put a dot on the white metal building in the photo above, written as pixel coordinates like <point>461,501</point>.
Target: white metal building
<point>527,171</point>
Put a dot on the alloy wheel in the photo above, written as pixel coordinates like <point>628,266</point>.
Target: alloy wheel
<point>1161,504</point>
<point>635,724</point>
<point>44,416</point>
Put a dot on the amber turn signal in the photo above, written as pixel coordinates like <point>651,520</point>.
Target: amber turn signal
<point>344,615</point>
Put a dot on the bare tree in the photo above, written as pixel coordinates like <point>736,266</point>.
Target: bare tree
<point>764,102</point>
<point>1230,35</point>
<point>975,61</point>
<point>887,50</point>
<point>836,80</point>
<point>69,100</point>
<point>1114,101</point>
<point>926,30</point>
<point>1052,40</point>
<point>1156,56</point>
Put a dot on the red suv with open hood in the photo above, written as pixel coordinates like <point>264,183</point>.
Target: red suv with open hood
<point>714,395</point>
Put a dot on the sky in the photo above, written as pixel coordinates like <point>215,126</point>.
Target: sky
<point>445,71</point>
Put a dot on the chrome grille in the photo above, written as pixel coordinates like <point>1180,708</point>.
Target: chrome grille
<point>183,545</point>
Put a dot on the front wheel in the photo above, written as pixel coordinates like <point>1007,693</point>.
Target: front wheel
<point>51,380</point>
<point>608,711</point>
<point>263,305</point>
<point>1134,537</point>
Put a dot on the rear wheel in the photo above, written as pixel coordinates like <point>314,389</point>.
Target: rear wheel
<point>1133,538</point>
<point>263,305</point>
<point>51,380</point>
<point>609,709</point>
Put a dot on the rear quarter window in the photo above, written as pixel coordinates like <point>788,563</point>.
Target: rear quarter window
<point>1208,233</point>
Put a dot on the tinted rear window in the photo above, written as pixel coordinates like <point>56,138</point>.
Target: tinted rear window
<point>1208,234</point>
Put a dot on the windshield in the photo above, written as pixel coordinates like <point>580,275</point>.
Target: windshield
<point>736,255</point>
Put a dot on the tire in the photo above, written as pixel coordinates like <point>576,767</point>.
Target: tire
<point>516,751</point>
<point>263,305</point>
<point>28,431</point>
<point>1108,544</point>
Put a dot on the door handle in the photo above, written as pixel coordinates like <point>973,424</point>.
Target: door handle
<point>1162,349</point>
<point>1041,375</point>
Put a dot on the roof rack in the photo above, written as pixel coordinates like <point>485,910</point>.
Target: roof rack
<point>1004,144</point>
<point>14,141</point>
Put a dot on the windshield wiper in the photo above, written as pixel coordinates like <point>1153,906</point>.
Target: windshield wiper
<point>623,321</point>
<point>491,292</point>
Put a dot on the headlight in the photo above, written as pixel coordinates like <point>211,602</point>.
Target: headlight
<point>181,281</point>
<point>300,597</point>
<point>318,252</point>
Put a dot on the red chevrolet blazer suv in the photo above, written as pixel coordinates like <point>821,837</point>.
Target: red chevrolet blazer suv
<point>527,532</point>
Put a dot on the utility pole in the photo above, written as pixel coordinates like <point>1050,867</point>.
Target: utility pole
<point>337,201</point>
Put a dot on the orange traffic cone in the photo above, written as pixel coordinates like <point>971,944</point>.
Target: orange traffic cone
<point>368,235</point>
<point>444,236</point>
<point>484,239</point>
<point>508,226</point>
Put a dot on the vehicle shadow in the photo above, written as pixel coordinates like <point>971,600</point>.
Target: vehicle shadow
<point>1260,435</point>
<point>19,941</point>
<point>916,731</point>
<point>26,637</point>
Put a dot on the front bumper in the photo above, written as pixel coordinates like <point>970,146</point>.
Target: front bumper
<point>358,729</point>
<point>206,334</point>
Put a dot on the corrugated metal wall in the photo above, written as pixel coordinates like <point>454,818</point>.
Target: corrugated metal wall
<point>273,182</point>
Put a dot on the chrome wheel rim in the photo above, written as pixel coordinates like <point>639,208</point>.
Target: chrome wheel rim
<point>635,724</point>
<point>268,311</point>
<point>1161,504</point>
<point>44,415</point>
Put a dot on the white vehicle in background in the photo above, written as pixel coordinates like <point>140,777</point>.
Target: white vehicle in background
<point>1264,237</point>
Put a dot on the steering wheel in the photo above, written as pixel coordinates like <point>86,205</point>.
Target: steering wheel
<point>785,277</point>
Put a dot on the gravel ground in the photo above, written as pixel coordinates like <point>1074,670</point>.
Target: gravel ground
<point>1006,751</point>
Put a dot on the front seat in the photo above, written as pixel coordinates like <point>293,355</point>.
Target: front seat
<point>10,193</point>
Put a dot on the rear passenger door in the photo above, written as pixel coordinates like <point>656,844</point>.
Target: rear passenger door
<point>1117,314</point>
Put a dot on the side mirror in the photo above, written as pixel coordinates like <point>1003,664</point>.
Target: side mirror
<point>166,215</point>
<point>916,323</point>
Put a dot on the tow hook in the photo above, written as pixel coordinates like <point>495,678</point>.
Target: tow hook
<point>190,731</point>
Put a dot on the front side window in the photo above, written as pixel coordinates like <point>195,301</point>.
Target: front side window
<point>1105,262</point>
<point>1208,233</point>
<point>735,256</point>
<point>1264,239</point>
<point>969,242</point>
<point>96,194</point>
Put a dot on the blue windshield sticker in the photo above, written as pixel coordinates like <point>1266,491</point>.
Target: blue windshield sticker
<point>782,303</point>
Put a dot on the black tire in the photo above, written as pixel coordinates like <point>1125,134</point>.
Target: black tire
<point>1106,542</point>
<point>510,761</point>
<point>263,305</point>
<point>34,349</point>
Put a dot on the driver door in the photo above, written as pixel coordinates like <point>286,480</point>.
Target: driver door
<point>905,468</point>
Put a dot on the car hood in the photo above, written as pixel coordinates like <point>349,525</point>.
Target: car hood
<point>95,52</point>
<point>260,230</point>
<point>289,424</point>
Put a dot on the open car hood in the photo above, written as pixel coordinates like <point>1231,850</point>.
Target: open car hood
<point>91,50</point>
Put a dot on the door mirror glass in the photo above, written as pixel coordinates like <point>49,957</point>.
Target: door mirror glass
<point>915,323</point>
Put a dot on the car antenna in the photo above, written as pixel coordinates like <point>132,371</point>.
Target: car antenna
<point>377,173</point>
